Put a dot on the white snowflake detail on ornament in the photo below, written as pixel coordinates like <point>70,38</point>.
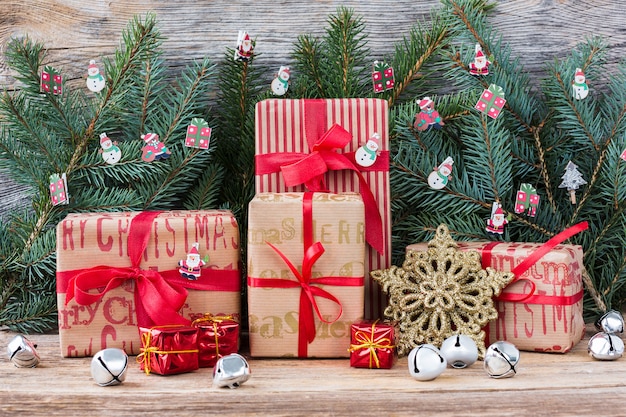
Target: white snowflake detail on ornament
<point>366,155</point>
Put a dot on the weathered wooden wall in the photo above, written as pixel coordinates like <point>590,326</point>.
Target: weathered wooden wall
<point>76,31</point>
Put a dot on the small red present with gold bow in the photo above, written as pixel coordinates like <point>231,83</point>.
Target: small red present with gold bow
<point>372,345</point>
<point>217,336</point>
<point>168,350</point>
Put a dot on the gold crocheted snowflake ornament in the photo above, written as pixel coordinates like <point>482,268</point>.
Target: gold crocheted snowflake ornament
<point>440,293</point>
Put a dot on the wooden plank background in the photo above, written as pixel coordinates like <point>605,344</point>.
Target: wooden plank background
<point>75,31</point>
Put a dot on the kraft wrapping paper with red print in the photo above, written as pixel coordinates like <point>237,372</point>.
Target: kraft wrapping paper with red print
<point>102,298</point>
<point>284,129</point>
<point>549,320</point>
<point>305,273</point>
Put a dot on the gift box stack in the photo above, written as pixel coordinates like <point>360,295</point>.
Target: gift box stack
<point>317,225</point>
<point>158,271</point>
<point>541,310</point>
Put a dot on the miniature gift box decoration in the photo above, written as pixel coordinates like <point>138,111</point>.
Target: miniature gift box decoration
<point>168,350</point>
<point>527,200</point>
<point>491,101</point>
<point>198,134</point>
<point>372,345</point>
<point>58,189</point>
<point>382,77</point>
<point>51,81</point>
<point>217,336</point>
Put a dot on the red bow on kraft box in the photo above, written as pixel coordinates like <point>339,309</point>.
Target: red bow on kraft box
<point>310,145</point>
<point>103,305</point>
<point>310,316</point>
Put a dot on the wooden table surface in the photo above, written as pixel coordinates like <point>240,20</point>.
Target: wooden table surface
<point>569,384</point>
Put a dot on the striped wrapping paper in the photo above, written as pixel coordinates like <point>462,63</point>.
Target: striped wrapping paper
<point>281,126</point>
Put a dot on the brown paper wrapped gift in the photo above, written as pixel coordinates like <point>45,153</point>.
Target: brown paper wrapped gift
<point>305,273</point>
<point>542,309</point>
<point>107,286</point>
<point>319,145</point>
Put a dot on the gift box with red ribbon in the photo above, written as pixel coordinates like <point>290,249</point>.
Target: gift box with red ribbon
<point>305,273</point>
<point>372,345</point>
<point>118,271</point>
<point>542,309</point>
<point>217,336</point>
<point>310,145</point>
<point>168,350</point>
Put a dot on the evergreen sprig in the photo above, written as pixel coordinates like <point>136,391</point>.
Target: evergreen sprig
<point>44,134</point>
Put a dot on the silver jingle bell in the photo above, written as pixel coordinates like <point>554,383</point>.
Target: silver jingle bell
<point>426,362</point>
<point>501,359</point>
<point>231,371</point>
<point>108,367</point>
<point>611,322</point>
<point>459,351</point>
<point>22,352</point>
<point>605,346</point>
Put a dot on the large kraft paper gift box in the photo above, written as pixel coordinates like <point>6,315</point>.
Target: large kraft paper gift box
<point>118,271</point>
<point>314,145</point>
<point>541,310</point>
<point>305,273</point>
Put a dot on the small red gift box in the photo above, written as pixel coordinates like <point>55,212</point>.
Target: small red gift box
<point>491,101</point>
<point>168,350</point>
<point>217,336</point>
<point>372,345</point>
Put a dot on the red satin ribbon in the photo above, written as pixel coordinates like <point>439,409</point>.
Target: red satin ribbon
<point>308,169</point>
<point>308,303</point>
<point>527,263</point>
<point>156,300</point>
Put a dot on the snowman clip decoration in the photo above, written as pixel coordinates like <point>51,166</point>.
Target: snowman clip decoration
<point>111,153</point>
<point>95,80</point>
<point>366,155</point>
<point>497,221</point>
<point>280,83</point>
<point>190,267</point>
<point>580,89</point>
<point>441,175</point>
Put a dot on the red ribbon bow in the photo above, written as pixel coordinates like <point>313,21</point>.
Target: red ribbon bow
<point>308,169</point>
<point>304,280</point>
<point>156,300</point>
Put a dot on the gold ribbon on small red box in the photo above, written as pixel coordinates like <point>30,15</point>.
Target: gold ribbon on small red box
<point>372,345</point>
<point>168,350</point>
<point>217,336</point>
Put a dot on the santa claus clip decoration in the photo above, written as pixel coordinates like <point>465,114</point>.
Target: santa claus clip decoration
<point>190,267</point>
<point>496,223</point>
<point>480,66</point>
<point>245,47</point>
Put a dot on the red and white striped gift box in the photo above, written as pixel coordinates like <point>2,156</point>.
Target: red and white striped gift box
<point>283,127</point>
